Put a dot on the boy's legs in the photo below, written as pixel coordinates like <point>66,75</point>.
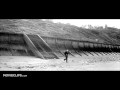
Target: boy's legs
<point>66,58</point>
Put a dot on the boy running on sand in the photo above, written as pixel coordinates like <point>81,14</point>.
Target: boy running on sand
<point>66,55</point>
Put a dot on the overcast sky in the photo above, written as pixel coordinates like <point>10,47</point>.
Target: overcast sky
<point>94,22</point>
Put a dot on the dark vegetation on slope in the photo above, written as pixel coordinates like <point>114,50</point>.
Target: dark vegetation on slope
<point>48,28</point>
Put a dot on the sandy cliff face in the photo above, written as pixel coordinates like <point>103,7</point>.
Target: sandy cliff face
<point>48,28</point>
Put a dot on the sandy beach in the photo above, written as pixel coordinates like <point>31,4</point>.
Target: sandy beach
<point>81,63</point>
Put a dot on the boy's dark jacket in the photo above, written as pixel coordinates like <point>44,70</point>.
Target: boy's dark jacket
<point>66,52</point>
